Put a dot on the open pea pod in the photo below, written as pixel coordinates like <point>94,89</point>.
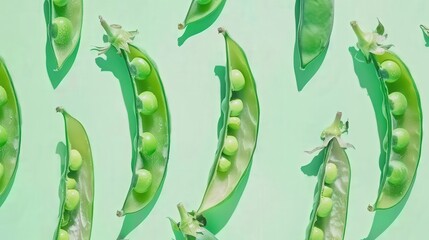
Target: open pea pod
<point>77,183</point>
<point>64,27</point>
<point>199,10</point>
<point>10,129</point>
<point>329,215</point>
<point>403,114</point>
<point>316,20</point>
<point>151,142</point>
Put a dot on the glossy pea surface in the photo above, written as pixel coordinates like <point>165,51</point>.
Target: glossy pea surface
<point>3,136</point>
<point>149,143</point>
<point>231,145</point>
<point>224,165</point>
<point>391,71</point>
<point>63,235</point>
<point>3,96</point>
<point>75,160</point>
<point>72,199</point>
<point>144,180</point>
<point>236,107</point>
<point>62,30</point>
<point>237,80</point>
<point>149,102</point>
<point>316,234</point>
<point>234,123</point>
<point>398,103</point>
<point>140,68</point>
<point>400,139</point>
<point>331,173</point>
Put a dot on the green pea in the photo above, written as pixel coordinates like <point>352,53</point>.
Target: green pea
<point>149,102</point>
<point>72,199</point>
<point>325,207</point>
<point>327,191</point>
<point>140,68</point>
<point>236,106</point>
<point>230,146</point>
<point>204,2</point>
<point>237,80</point>
<point>316,234</point>
<point>391,71</point>
<point>71,183</point>
<point>400,139</point>
<point>75,160</point>
<point>60,3</point>
<point>144,181</point>
<point>234,123</point>
<point>149,143</point>
<point>63,235</point>
<point>398,173</point>
<point>62,30</point>
<point>3,96</point>
<point>398,103</point>
<point>1,171</point>
<point>3,136</point>
<point>331,173</point>
<point>65,219</point>
<point>224,165</point>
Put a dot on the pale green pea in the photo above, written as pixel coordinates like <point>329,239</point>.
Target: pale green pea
<point>400,139</point>
<point>230,145</point>
<point>62,30</point>
<point>3,96</point>
<point>75,160</point>
<point>60,3</point>
<point>398,173</point>
<point>204,2</point>
<point>234,123</point>
<point>398,103</point>
<point>149,103</point>
<point>71,183</point>
<point>237,80</point>
<point>325,207</point>
<point>3,136</point>
<point>316,234</point>
<point>236,106</point>
<point>327,191</point>
<point>390,71</point>
<point>149,143</point>
<point>224,165</point>
<point>63,235</point>
<point>72,199</point>
<point>144,181</point>
<point>331,173</point>
<point>1,171</point>
<point>140,68</point>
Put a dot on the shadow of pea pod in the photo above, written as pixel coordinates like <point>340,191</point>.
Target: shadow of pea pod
<point>201,25</point>
<point>369,80</point>
<point>116,64</point>
<point>56,76</point>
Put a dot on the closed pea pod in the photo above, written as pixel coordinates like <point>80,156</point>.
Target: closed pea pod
<point>199,10</point>
<point>10,130</point>
<point>77,183</point>
<point>151,141</point>
<point>64,27</point>
<point>316,19</point>
<point>403,118</point>
<point>236,144</point>
<point>329,216</point>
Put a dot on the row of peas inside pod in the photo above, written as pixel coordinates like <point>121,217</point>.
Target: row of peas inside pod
<point>236,106</point>
<point>3,132</point>
<point>72,193</point>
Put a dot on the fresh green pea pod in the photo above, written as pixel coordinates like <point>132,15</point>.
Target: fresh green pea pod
<point>151,142</point>
<point>403,114</point>
<point>316,19</point>
<point>329,216</point>
<point>236,143</point>
<point>10,130</point>
<point>77,199</point>
<point>64,27</point>
<point>199,10</point>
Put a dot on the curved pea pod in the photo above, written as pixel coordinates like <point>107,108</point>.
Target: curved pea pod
<point>403,114</point>
<point>329,215</point>
<point>199,10</point>
<point>10,130</point>
<point>64,27</point>
<point>77,183</point>
<point>316,19</point>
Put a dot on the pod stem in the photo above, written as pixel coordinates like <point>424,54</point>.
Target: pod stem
<point>180,26</point>
<point>371,208</point>
<point>221,30</point>
<point>120,213</point>
<point>105,26</point>
<point>335,129</point>
<point>184,216</point>
<point>358,31</point>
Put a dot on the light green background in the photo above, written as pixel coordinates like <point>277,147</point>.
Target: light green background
<point>278,199</point>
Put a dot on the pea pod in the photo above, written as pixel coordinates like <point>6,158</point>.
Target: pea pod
<point>199,10</point>
<point>10,130</point>
<point>151,142</point>
<point>64,27</point>
<point>77,183</point>
<point>316,19</point>
<point>403,114</point>
<point>329,216</point>
<point>237,138</point>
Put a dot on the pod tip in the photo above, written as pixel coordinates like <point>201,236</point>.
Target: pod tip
<point>371,208</point>
<point>181,26</point>
<point>221,30</point>
<point>120,213</point>
<point>59,109</point>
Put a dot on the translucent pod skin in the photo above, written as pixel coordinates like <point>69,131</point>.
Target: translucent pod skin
<point>401,102</point>
<point>10,122</point>
<point>199,10</point>
<point>329,215</point>
<point>64,27</point>
<point>316,19</point>
<point>77,204</point>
